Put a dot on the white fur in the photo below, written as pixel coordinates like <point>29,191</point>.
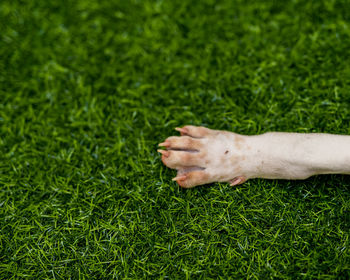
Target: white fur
<point>298,155</point>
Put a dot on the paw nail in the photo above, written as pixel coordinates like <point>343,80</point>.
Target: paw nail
<point>164,144</point>
<point>163,152</point>
<point>179,178</point>
<point>181,130</point>
<point>237,181</point>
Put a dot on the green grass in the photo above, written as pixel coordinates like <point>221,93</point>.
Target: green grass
<point>89,88</point>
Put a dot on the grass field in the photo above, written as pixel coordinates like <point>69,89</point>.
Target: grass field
<point>89,88</point>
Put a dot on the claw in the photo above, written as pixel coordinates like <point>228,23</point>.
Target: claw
<point>180,178</point>
<point>237,180</point>
<point>182,130</point>
<point>163,152</point>
<point>164,144</point>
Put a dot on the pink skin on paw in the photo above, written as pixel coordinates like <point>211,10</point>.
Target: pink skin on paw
<point>201,156</point>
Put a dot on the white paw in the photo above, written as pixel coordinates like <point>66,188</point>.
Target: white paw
<point>203,156</point>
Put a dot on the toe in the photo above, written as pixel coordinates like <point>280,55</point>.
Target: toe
<point>183,143</point>
<point>178,159</point>
<point>192,179</point>
<point>194,131</point>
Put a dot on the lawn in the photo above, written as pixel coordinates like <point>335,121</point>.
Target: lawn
<point>89,88</point>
